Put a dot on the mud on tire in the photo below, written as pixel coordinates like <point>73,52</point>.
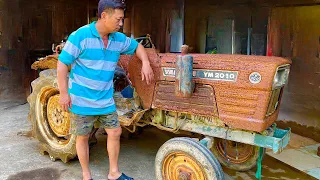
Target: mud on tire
<point>49,124</point>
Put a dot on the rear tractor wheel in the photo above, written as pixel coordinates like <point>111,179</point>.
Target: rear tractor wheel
<point>50,123</point>
<point>235,155</point>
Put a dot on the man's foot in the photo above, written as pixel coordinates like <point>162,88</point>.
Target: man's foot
<point>86,176</point>
<point>121,177</point>
<point>114,175</point>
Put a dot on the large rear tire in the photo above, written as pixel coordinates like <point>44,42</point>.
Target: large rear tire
<point>50,125</point>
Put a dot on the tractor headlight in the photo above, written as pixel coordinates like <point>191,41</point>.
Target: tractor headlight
<point>281,76</point>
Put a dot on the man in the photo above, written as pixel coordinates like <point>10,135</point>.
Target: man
<point>93,52</point>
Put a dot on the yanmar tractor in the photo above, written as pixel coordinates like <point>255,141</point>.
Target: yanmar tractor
<point>230,101</point>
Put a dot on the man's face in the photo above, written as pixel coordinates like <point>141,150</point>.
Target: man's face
<point>114,21</point>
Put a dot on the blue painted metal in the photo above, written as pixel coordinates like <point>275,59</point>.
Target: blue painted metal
<point>281,139</point>
<point>127,92</point>
<point>207,141</point>
<point>184,71</point>
<point>277,142</point>
<point>273,138</point>
<point>259,163</point>
<point>314,172</point>
<point>204,142</point>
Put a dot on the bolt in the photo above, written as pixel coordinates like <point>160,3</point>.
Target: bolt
<point>52,158</point>
<point>184,175</point>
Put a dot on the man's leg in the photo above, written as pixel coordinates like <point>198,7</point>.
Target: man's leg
<point>82,126</point>
<point>82,146</point>
<point>112,126</point>
<point>113,147</point>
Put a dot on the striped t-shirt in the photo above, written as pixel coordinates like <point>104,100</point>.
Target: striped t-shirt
<point>92,68</point>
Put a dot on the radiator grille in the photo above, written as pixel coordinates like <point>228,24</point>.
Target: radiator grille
<point>202,101</point>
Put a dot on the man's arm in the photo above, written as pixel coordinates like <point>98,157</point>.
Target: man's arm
<point>69,54</point>
<point>146,71</point>
<point>62,73</point>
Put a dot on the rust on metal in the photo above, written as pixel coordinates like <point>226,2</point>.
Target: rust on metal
<point>134,66</point>
<point>59,120</point>
<point>48,62</point>
<point>184,49</point>
<point>240,104</point>
<point>179,165</point>
<point>184,175</point>
<point>245,65</point>
<point>202,101</point>
<point>234,152</point>
<point>127,120</point>
<point>124,62</point>
<point>184,84</point>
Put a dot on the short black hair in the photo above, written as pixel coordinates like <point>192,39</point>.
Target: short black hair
<point>114,4</point>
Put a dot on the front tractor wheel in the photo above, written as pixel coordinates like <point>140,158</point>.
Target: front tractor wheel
<point>186,159</point>
<point>50,123</point>
<point>235,155</point>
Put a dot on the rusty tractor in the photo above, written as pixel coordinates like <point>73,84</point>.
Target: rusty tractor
<point>230,101</point>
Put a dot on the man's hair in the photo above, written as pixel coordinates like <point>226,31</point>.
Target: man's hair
<point>110,5</point>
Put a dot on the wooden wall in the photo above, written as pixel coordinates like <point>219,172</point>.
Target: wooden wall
<point>152,17</point>
<point>29,28</point>
<point>295,33</point>
<point>11,50</point>
<point>45,22</point>
<point>201,15</point>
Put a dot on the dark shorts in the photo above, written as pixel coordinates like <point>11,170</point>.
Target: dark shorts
<point>82,125</point>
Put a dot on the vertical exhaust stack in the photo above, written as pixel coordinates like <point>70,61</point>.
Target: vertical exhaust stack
<point>184,85</point>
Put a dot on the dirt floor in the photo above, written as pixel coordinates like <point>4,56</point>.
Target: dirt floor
<point>20,158</point>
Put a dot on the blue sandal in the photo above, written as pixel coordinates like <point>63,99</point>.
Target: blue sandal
<point>123,177</point>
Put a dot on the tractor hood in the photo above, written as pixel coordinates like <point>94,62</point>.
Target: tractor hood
<point>228,70</point>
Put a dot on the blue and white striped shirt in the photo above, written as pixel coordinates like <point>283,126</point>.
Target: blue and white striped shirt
<point>92,68</point>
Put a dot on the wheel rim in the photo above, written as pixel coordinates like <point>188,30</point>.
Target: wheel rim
<point>53,123</point>
<point>234,152</point>
<point>59,121</point>
<point>180,166</point>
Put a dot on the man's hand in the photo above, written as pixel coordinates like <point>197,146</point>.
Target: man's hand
<point>147,73</point>
<point>65,101</point>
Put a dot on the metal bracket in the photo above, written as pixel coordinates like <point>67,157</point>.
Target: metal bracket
<point>273,138</point>
<point>207,141</point>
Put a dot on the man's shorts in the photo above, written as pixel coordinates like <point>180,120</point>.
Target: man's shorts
<point>82,125</point>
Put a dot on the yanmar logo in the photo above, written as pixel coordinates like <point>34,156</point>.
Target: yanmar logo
<point>215,75</point>
<point>169,72</point>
